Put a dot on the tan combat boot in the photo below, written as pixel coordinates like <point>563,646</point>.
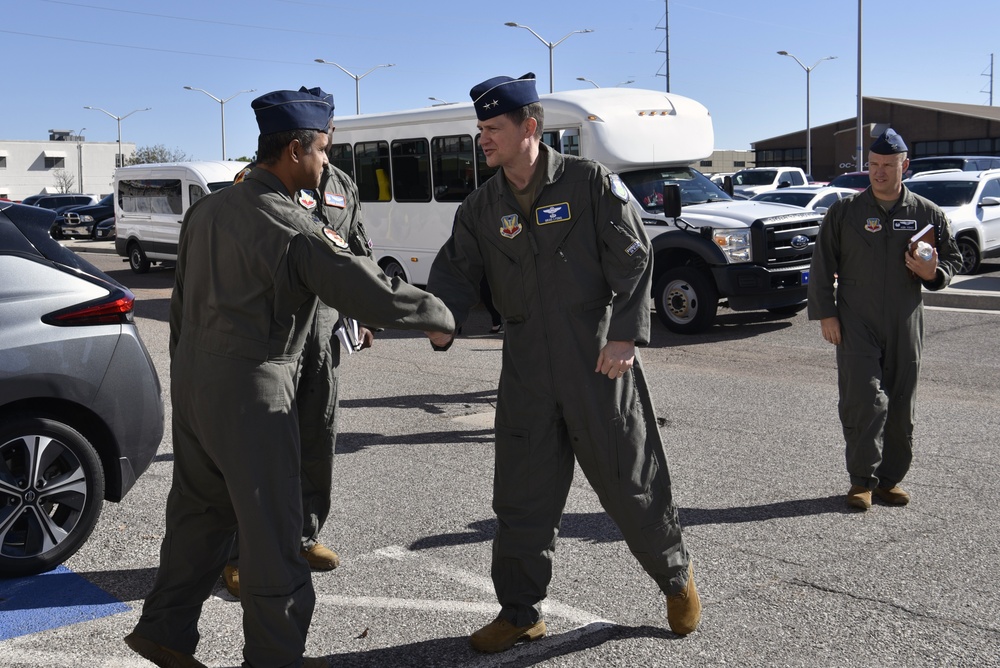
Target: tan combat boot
<point>321,558</point>
<point>684,609</point>
<point>500,635</point>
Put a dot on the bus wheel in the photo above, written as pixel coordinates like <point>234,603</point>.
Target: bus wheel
<point>393,269</point>
<point>137,258</point>
<point>686,300</point>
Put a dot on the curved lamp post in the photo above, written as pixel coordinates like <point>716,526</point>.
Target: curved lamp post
<point>222,105</point>
<point>357,80</point>
<point>119,120</point>
<point>551,45</point>
<point>808,128</point>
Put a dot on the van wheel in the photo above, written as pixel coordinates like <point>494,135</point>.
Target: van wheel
<point>137,258</point>
<point>393,269</point>
<point>971,258</point>
<point>686,300</point>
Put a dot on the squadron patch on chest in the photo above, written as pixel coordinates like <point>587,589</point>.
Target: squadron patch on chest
<point>552,213</point>
<point>332,199</point>
<point>618,188</point>
<point>306,199</point>
<point>510,226</point>
<point>332,235</point>
<point>873,224</point>
<point>904,225</point>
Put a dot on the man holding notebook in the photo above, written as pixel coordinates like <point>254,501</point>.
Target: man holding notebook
<point>865,289</point>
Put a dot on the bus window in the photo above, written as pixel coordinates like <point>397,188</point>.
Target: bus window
<point>342,157</point>
<point>551,137</point>
<point>372,161</point>
<point>483,171</point>
<point>411,174</point>
<point>571,142</point>
<point>453,173</point>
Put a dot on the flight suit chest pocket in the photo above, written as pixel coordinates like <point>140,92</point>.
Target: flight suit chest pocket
<point>504,272</point>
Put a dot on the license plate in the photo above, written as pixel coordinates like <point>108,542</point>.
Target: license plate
<point>804,277</point>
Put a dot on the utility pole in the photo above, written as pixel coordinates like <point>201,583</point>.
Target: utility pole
<point>860,159</point>
<point>666,42</point>
<point>990,75</point>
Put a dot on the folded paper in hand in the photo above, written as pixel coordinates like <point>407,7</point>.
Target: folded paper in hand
<point>349,334</point>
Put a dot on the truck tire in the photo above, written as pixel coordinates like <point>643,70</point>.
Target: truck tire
<point>686,300</point>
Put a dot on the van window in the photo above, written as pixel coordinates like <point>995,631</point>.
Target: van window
<point>195,192</point>
<point>411,173</point>
<point>454,176</point>
<point>371,158</point>
<point>342,157</point>
<point>150,196</point>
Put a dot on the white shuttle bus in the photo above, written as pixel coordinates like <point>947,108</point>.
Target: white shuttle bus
<point>151,200</point>
<point>413,168</point>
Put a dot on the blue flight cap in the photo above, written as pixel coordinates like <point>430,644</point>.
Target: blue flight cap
<point>888,143</point>
<point>502,94</point>
<point>284,110</point>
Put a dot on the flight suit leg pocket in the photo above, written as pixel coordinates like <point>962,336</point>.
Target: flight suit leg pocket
<point>512,466</point>
<point>635,465</point>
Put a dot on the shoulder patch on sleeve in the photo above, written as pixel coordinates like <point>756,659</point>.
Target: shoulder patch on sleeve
<point>331,235</point>
<point>618,188</point>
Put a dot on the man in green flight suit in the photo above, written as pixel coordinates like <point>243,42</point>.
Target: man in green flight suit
<point>865,289</point>
<point>337,206</point>
<point>250,266</point>
<point>566,255</point>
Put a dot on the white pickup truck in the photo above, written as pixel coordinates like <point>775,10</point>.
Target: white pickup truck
<point>749,182</point>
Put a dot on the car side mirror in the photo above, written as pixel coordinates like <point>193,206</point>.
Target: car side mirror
<point>990,201</point>
<point>727,185</point>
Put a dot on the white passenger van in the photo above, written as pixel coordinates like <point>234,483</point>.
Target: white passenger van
<point>150,202</point>
<point>413,168</point>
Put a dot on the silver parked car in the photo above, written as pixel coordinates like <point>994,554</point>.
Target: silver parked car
<point>81,409</point>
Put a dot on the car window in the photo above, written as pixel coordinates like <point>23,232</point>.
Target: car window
<point>827,200</point>
<point>944,193</point>
<point>991,188</point>
<point>797,179</point>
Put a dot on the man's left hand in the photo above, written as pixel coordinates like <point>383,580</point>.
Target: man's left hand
<point>925,270</point>
<point>616,358</point>
<point>366,337</point>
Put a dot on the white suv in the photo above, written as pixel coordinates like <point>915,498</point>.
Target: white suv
<point>972,202</point>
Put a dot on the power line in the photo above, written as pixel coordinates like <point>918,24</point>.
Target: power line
<point>184,18</point>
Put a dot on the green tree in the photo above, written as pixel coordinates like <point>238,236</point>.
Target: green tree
<point>147,155</point>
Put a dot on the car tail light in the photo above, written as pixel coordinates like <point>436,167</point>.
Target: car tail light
<point>115,309</point>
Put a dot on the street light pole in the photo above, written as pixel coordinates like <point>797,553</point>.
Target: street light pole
<point>119,119</point>
<point>357,80</point>
<point>808,127</point>
<point>438,102</point>
<point>588,81</point>
<point>222,106</point>
<point>551,45</point>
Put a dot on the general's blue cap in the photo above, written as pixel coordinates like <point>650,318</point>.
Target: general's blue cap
<point>888,143</point>
<point>284,110</point>
<point>502,94</point>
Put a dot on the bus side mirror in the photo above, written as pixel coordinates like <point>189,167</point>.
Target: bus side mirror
<point>671,200</point>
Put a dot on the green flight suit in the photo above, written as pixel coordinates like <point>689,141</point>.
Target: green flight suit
<point>250,265</point>
<point>567,276</point>
<point>878,301</point>
<point>338,207</point>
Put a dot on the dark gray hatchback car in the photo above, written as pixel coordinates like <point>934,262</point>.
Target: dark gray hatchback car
<point>81,408</point>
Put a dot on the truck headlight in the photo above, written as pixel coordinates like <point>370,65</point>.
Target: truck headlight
<point>735,244</point>
<point>86,219</point>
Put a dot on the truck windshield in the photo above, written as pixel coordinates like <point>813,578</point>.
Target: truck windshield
<point>647,187</point>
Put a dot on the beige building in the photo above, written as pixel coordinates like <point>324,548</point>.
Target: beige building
<point>725,162</point>
<point>33,167</point>
<point>928,128</point>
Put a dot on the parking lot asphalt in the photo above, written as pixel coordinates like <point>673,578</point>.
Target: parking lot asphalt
<point>980,291</point>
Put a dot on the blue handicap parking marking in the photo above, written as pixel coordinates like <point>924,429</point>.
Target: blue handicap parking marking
<point>50,600</point>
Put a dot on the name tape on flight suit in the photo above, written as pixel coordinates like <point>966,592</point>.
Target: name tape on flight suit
<point>552,213</point>
<point>333,199</point>
<point>904,225</point>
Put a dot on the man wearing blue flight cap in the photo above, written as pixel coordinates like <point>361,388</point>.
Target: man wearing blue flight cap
<point>567,257</point>
<point>337,206</point>
<point>865,289</point>
<point>251,263</point>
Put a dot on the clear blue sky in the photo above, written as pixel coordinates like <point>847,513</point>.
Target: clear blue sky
<point>60,55</point>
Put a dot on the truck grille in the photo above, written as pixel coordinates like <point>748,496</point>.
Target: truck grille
<point>785,241</point>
